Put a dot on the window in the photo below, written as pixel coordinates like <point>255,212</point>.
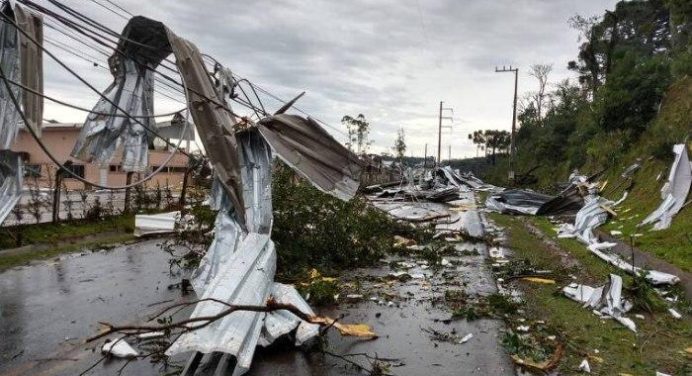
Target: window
<point>76,169</point>
<point>32,170</point>
<point>114,168</point>
<point>177,169</point>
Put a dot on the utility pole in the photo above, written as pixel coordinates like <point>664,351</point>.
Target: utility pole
<point>425,158</point>
<point>439,130</point>
<point>449,156</point>
<point>512,146</point>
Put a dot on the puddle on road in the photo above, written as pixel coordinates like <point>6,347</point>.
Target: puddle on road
<point>48,308</point>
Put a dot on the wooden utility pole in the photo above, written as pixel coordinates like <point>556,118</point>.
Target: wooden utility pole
<point>128,181</point>
<point>439,132</point>
<point>512,147</point>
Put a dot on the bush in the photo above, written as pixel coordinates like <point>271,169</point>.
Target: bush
<point>313,229</point>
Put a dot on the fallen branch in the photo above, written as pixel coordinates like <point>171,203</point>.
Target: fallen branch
<point>196,323</point>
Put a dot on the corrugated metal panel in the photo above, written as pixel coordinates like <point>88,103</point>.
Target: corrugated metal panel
<point>674,192</point>
<point>132,91</point>
<point>315,154</point>
<point>279,323</point>
<point>245,277</point>
<point>11,175</point>
<point>9,58</point>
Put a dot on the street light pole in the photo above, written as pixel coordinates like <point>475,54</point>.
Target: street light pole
<point>512,146</point>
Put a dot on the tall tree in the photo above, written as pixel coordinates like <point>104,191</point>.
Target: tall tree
<point>478,139</point>
<point>400,145</point>
<point>358,130</point>
<point>540,72</point>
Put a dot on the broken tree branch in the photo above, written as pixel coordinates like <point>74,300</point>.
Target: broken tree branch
<point>196,323</point>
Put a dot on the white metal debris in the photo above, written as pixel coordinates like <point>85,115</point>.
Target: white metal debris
<point>11,175</point>
<point>279,323</point>
<point>162,223</point>
<point>132,91</point>
<point>606,299</point>
<point>653,276</point>
<point>674,192</point>
<point>22,63</point>
<point>119,348</point>
<point>466,338</point>
<point>584,366</point>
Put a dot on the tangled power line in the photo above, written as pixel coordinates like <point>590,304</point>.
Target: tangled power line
<point>77,27</point>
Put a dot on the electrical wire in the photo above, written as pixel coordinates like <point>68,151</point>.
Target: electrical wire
<point>66,104</point>
<point>99,26</point>
<point>85,82</point>
<point>95,24</point>
<point>109,9</point>
<point>43,147</point>
<point>119,7</point>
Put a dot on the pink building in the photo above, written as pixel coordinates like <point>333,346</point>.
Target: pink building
<point>61,137</point>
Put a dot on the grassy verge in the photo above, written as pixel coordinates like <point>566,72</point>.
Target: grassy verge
<point>673,244</point>
<point>48,239</point>
<point>659,344</point>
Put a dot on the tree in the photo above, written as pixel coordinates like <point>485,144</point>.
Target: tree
<point>541,72</point>
<point>478,139</point>
<point>400,145</point>
<point>358,130</point>
<point>497,141</point>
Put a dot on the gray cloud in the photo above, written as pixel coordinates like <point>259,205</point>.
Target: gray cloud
<point>390,60</point>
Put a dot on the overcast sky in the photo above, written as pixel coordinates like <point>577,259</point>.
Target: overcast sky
<point>391,60</point>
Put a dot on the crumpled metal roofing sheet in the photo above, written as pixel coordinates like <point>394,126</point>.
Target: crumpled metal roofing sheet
<point>279,323</point>
<point>148,224</point>
<point>589,218</point>
<point>240,264</point>
<point>132,91</point>
<point>11,176</point>
<point>31,65</point>
<point>674,192</point>
<point>215,124</point>
<point>315,154</point>
<point>244,278</point>
<point>9,58</point>
<point>517,201</point>
<point>605,299</point>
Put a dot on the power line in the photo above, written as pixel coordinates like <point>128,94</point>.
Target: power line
<point>80,78</point>
<point>109,9</point>
<point>239,78</point>
<point>66,104</point>
<point>43,147</point>
<point>119,7</point>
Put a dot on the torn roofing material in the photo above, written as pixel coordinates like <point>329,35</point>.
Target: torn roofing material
<point>11,175</point>
<point>517,201</point>
<point>132,67</point>
<point>605,300</point>
<point>674,192</point>
<point>215,124</point>
<point>310,150</point>
<point>21,61</point>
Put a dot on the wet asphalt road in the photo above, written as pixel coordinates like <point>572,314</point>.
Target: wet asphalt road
<point>48,308</point>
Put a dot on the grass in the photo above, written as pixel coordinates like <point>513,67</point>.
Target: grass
<point>673,244</point>
<point>63,238</point>
<point>659,344</point>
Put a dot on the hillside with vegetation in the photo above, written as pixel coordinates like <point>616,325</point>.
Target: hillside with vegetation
<point>631,103</point>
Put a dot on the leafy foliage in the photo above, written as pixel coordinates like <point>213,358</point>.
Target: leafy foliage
<point>312,229</point>
<point>632,95</point>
